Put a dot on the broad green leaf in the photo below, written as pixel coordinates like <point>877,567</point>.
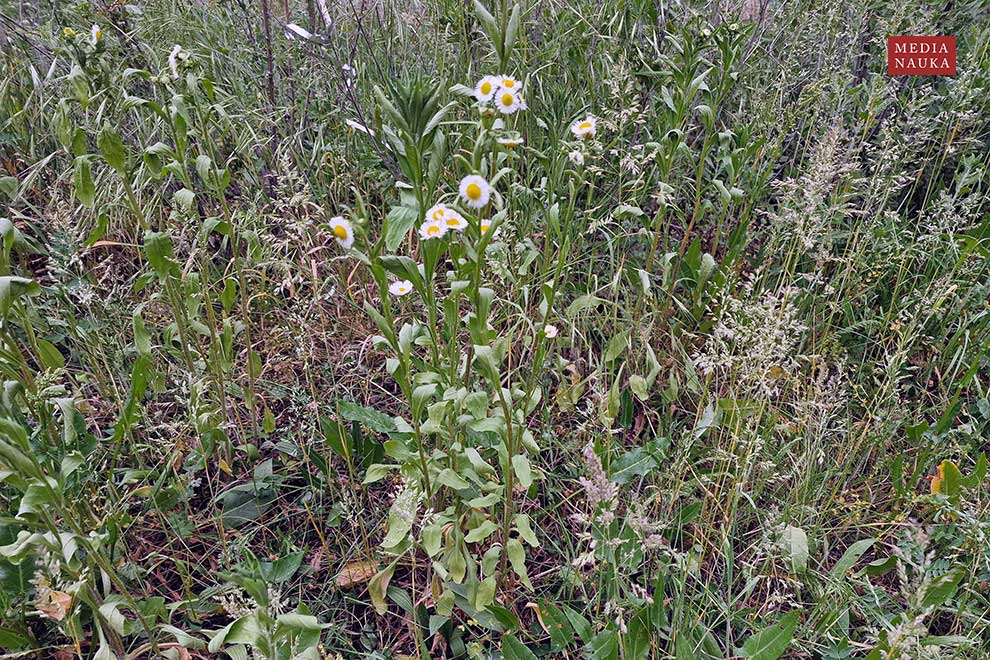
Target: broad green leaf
<point>520,465</point>
<point>795,544</point>
<point>513,649</point>
<point>112,148</point>
<point>517,557</point>
<point>770,643</point>
<point>850,557</point>
<point>82,181</point>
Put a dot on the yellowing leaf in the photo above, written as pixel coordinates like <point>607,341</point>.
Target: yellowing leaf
<point>356,572</point>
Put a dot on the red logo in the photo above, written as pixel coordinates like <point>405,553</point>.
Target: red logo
<point>921,56</point>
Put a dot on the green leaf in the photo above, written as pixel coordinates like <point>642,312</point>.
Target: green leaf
<point>301,621</point>
<point>517,557</point>
<point>770,643</point>
<point>378,587</point>
<point>158,250</point>
<point>485,593</point>
<point>520,465</point>
<point>850,557</point>
<point>12,288</point>
<point>82,181</point>
<point>604,646</point>
<point>377,472</point>
<point>400,220</point>
<point>371,418</point>
<point>525,531</point>
<point>8,186</point>
<point>451,479</point>
<point>636,462</point>
<point>558,627</point>
<point>941,589</point>
<point>795,544</point>
<point>512,648</point>
<point>481,532</point>
<point>112,148</point>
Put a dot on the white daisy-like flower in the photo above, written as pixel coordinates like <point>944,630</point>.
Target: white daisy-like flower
<point>485,225</point>
<point>475,191</point>
<point>454,220</point>
<point>400,287</point>
<point>432,229</point>
<point>437,212</point>
<point>511,141</point>
<point>550,331</point>
<point>343,231</point>
<point>585,128</point>
<point>508,82</point>
<point>576,157</point>
<point>509,102</point>
<point>173,61</point>
<point>95,34</point>
<point>486,88</point>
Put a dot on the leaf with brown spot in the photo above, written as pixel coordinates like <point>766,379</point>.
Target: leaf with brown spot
<point>356,572</point>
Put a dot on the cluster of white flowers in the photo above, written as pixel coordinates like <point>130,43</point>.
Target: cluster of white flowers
<point>505,91</point>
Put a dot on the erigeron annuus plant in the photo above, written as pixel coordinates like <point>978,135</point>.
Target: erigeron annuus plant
<point>463,448</point>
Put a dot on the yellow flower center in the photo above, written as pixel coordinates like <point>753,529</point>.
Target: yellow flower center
<point>340,231</point>
<point>453,222</point>
<point>507,99</point>
<point>432,230</point>
<point>486,87</point>
<point>509,82</point>
<point>484,227</point>
<point>585,125</point>
<point>437,215</point>
<point>473,191</point>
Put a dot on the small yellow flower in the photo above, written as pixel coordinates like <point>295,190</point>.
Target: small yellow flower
<point>486,88</point>
<point>475,191</point>
<point>432,229</point>
<point>585,128</point>
<point>343,231</point>
<point>550,331</point>
<point>400,288</point>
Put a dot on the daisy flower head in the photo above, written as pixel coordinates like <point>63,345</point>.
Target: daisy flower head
<point>510,141</point>
<point>95,34</point>
<point>454,220</point>
<point>432,229</point>
<point>486,88</point>
<point>437,212</point>
<point>576,157</point>
<point>400,287</point>
<point>475,191</point>
<point>509,102</point>
<point>508,82</point>
<point>550,331</point>
<point>585,128</point>
<point>343,231</point>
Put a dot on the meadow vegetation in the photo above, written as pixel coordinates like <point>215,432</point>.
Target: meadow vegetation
<point>493,329</point>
